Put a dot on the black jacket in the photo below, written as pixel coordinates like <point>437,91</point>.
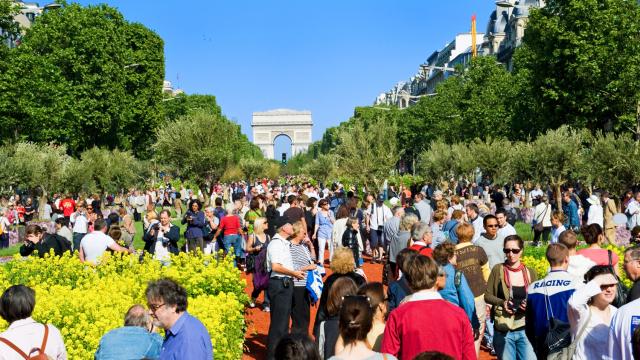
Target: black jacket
<point>150,240</point>
<point>49,241</point>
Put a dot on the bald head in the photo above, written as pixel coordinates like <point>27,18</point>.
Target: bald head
<point>137,316</point>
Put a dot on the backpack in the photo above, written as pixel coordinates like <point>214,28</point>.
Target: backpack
<point>41,355</point>
<point>261,274</point>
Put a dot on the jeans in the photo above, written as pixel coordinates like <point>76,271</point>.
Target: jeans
<point>281,300</point>
<point>234,241</point>
<point>77,238</point>
<point>321,245</point>
<point>512,345</point>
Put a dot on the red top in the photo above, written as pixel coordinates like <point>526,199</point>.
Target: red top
<point>599,256</point>
<point>422,249</point>
<point>428,325</point>
<point>68,206</point>
<point>230,225</point>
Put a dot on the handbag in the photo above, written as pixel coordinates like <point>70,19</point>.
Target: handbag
<point>559,336</point>
<point>621,293</point>
<point>568,352</point>
<point>538,227</point>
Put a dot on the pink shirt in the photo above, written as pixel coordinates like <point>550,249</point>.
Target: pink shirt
<point>599,256</point>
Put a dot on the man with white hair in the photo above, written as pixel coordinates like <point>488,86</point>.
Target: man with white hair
<point>135,340</point>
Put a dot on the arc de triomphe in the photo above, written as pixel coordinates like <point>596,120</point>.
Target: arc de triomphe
<point>268,125</point>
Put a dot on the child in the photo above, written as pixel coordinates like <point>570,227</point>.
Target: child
<point>557,219</point>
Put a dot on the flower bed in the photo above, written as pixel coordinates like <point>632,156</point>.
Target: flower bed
<point>85,302</point>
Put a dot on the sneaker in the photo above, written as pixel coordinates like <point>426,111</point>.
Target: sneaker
<point>266,309</point>
<point>252,303</point>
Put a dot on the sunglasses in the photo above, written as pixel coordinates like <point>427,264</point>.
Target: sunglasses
<point>492,226</point>
<point>513,251</point>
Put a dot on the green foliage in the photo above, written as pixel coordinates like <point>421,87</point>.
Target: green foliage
<point>580,64</point>
<point>183,104</point>
<point>368,152</point>
<point>94,79</point>
<point>320,168</point>
<point>201,145</point>
<point>611,162</point>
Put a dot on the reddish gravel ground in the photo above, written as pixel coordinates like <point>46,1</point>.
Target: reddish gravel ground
<point>258,320</point>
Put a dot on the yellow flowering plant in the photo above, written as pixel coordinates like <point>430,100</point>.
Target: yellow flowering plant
<point>86,301</point>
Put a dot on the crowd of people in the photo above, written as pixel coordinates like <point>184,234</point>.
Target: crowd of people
<point>451,261</point>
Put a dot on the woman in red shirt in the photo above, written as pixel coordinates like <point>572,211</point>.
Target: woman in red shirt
<point>232,233</point>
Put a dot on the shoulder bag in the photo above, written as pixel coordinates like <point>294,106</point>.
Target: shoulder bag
<point>568,352</point>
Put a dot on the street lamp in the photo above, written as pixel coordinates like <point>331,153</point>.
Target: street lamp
<point>52,6</point>
<point>131,65</point>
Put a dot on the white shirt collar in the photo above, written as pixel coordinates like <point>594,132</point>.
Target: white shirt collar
<point>22,322</point>
<point>425,295</point>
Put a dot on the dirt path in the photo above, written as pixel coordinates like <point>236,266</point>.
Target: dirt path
<point>258,320</point>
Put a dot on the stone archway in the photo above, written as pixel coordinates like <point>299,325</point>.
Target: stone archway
<point>267,125</point>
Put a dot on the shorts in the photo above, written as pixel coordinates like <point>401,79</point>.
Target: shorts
<point>377,238</point>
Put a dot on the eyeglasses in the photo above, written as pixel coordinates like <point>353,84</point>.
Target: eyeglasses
<point>154,307</point>
<point>492,226</point>
<point>513,251</point>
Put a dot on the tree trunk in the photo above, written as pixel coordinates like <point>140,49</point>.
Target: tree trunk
<point>558,196</point>
<point>42,202</point>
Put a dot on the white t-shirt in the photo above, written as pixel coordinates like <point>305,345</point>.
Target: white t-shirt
<point>555,233</point>
<point>4,224</point>
<point>623,324</point>
<point>593,340</point>
<point>278,252</point>
<point>95,244</point>
<point>80,223</point>
<point>507,230</point>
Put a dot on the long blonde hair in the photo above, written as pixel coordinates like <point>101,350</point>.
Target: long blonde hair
<point>258,225</point>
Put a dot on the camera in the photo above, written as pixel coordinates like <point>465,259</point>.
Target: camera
<point>514,305</point>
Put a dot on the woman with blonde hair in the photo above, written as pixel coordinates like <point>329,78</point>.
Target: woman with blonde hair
<point>257,247</point>
<point>342,265</point>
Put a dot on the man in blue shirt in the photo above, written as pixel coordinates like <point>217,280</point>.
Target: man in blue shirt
<point>570,209</point>
<point>133,341</point>
<point>186,338</point>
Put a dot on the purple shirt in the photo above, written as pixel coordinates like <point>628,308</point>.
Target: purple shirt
<point>187,339</point>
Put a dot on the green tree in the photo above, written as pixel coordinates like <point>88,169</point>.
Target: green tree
<point>200,146</point>
<point>579,64</point>
<point>611,162</point>
<point>94,79</point>
<point>183,104</point>
<point>556,156</point>
<point>321,168</point>
<point>368,153</point>
<point>39,167</point>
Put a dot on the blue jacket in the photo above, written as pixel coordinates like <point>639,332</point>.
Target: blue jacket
<point>194,228</point>
<point>458,295</point>
<point>129,342</point>
<point>449,230</point>
<point>571,210</point>
<point>397,291</point>
<point>557,286</point>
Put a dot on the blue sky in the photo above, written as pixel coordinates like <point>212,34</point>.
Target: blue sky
<point>324,56</point>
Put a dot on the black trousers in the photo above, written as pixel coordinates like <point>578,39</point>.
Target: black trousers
<point>300,310</point>
<point>546,231</point>
<point>281,299</point>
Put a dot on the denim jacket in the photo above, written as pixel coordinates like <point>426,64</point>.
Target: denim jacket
<point>461,296</point>
<point>129,342</point>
